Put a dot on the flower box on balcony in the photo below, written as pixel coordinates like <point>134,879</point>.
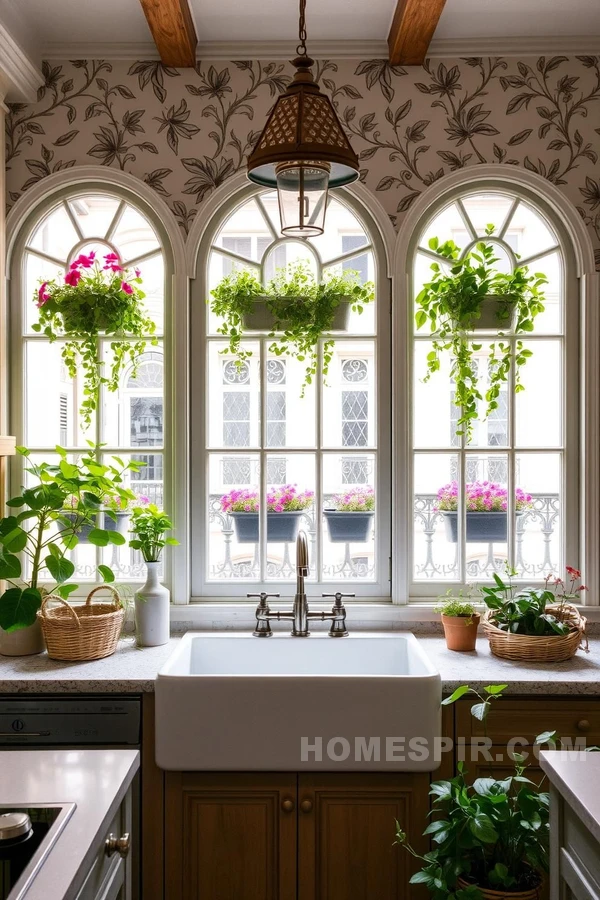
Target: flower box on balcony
<point>348,527</point>
<point>282,527</point>
<point>482,527</point>
<point>103,520</point>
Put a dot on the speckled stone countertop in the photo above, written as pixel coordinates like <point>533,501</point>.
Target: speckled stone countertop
<point>131,670</point>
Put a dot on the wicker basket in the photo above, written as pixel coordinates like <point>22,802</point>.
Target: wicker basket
<point>550,648</point>
<point>90,632</point>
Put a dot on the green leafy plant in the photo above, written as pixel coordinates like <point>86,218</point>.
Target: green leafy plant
<point>531,610</point>
<point>492,834</point>
<point>150,524</point>
<point>302,310</point>
<point>95,300</point>
<point>451,303</point>
<point>461,605</point>
<point>42,532</point>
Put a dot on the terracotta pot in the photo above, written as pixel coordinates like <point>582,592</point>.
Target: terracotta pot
<point>488,894</point>
<point>461,632</point>
<point>24,642</point>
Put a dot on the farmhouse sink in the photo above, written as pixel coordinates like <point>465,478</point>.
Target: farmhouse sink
<point>367,702</point>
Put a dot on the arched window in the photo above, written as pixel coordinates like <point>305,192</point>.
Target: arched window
<point>252,431</point>
<point>45,401</point>
<point>510,493</point>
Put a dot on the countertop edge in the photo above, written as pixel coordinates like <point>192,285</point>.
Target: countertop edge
<point>557,776</point>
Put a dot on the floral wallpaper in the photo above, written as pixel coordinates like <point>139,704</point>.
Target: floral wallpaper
<point>185,131</point>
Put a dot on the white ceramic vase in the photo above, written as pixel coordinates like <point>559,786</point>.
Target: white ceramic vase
<point>152,625</point>
<point>24,642</point>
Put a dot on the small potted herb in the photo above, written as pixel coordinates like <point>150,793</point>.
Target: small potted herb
<point>460,620</point>
<point>490,838</point>
<point>467,293</point>
<point>534,623</point>
<point>294,308</point>
<point>487,504</point>
<point>149,525</point>
<point>350,519</point>
<point>96,299</point>
<point>285,507</point>
<point>38,529</point>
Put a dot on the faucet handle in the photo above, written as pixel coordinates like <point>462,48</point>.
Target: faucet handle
<point>338,596</point>
<point>263,596</point>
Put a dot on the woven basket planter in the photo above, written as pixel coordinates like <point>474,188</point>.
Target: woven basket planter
<point>489,894</point>
<point>550,648</point>
<point>90,632</point>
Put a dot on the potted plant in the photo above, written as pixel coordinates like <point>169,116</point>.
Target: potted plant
<point>351,516</point>
<point>113,513</point>
<point>471,296</point>
<point>487,504</point>
<point>294,308</point>
<point>285,507</point>
<point>95,299</point>
<point>534,623</point>
<point>460,620</point>
<point>149,524</point>
<point>491,837</point>
<point>39,530</point>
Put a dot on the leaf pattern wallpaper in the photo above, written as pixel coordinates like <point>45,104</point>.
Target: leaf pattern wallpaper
<point>185,131</point>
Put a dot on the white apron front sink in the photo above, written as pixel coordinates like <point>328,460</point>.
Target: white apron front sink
<point>367,702</point>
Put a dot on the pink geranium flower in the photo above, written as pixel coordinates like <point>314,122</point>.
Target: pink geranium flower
<point>84,261</point>
<point>125,286</point>
<point>73,277</point>
<point>112,263</point>
<point>43,295</point>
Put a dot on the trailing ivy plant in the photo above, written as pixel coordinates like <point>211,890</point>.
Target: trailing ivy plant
<point>451,303</point>
<point>95,299</point>
<point>40,533</point>
<point>492,834</point>
<point>302,309</point>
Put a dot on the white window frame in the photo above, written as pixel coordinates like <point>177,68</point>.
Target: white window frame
<point>234,590</point>
<point>580,512</point>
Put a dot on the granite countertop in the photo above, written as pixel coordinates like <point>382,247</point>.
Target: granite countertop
<point>95,780</point>
<point>572,774</point>
<point>131,670</point>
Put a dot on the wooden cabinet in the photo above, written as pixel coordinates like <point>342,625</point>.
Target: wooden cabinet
<point>346,831</point>
<point>230,836</point>
<point>281,837</point>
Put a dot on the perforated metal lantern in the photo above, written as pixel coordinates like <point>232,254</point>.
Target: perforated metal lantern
<point>302,152</point>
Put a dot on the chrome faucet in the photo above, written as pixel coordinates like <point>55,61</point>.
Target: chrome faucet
<point>300,614</point>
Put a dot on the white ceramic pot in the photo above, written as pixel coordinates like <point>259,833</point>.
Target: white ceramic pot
<point>24,642</point>
<point>152,627</point>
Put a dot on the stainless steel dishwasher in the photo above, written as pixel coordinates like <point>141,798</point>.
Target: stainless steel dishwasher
<point>72,723</point>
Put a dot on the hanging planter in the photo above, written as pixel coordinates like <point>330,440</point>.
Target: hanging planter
<point>487,519</point>
<point>295,309</point>
<point>96,299</point>
<point>350,520</point>
<point>285,508</point>
<point>468,294</point>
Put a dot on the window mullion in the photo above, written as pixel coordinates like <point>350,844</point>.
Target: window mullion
<point>262,517</point>
<point>511,473</point>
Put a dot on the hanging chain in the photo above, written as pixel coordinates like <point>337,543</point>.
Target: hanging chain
<point>301,48</point>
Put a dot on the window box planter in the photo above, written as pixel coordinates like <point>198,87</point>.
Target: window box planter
<point>103,521</point>
<point>348,527</point>
<point>282,527</point>
<point>482,527</point>
<point>261,317</point>
<point>496,314</point>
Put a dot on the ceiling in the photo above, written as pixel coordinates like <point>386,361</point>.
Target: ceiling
<point>62,27</point>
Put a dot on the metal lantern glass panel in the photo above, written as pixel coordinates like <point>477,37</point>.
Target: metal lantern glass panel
<point>302,195</point>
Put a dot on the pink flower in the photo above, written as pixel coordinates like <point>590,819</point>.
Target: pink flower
<point>73,277</point>
<point>137,273</point>
<point>43,295</point>
<point>112,263</point>
<point>574,573</point>
<point>125,286</point>
<point>83,261</point>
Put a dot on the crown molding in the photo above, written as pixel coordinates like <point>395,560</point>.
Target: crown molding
<point>513,46</point>
<point>19,78</point>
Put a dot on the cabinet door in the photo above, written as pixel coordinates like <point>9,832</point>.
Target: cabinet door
<point>230,836</point>
<point>346,828</point>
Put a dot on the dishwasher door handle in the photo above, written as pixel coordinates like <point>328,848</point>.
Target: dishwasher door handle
<point>24,733</point>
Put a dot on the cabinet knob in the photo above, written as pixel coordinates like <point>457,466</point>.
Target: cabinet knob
<point>121,845</point>
<point>583,725</point>
<point>306,806</point>
<point>288,805</point>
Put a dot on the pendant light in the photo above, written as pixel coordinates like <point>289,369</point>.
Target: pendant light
<point>303,149</point>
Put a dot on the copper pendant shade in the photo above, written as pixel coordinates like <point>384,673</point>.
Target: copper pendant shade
<point>303,129</point>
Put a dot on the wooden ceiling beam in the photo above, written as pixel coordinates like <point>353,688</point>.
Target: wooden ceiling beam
<point>172,27</point>
<point>412,30</point>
